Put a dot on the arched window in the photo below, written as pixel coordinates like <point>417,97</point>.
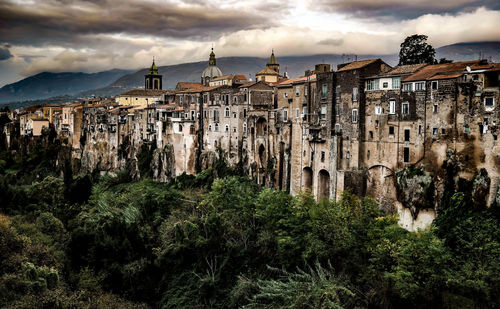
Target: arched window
<point>245,128</point>
<point>209,127</point>
<point>216,127</point>
<point>227,112</point>
<point>180,127</point>
<point>227,128</point>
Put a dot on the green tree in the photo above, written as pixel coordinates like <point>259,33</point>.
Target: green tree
<point>415,50</point>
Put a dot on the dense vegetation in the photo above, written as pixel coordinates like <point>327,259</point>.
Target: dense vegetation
<point>111,242</point>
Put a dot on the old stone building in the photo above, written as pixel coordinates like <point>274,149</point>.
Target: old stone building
<point>360,128</point>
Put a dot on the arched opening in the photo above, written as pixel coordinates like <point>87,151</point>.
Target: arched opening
<point>156,86</point>
<point>262,156</point>
<point>324,184</point>
<point>261,126</point>
<point>307,178</point>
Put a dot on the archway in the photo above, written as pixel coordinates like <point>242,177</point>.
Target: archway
<point>261,126</point>
<point>323,184</point>
<point>307,178</point>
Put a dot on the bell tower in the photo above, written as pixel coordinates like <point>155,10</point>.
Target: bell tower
<point>153,80</point>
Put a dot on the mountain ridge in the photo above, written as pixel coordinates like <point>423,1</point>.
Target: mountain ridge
<point>112,82</point>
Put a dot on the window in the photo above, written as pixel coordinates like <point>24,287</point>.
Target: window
<point>355,115</point>
<point>370,133</point>
<point>435,109</point>
<point>419,86</point>
<point>467,129</point>
<point>385,85</point>
<point>324,92</point>
<point>285,115</point>
<point>304,112</point>
<point>226,128</point>
<point>443,131</point>
<point>297,113</point>
<point>405,107</point>
<point>234,129</point>
<point>378,109</point>
<point>210,127</point>
<point>305,90</point>
<point>337,93</point>
<point>419,129</point>
<point>434,131</point>
<point>323,112</point>
<point>285,95</point>
<point>297,91</point>
<point>391,131</point>
<point>355,94</point>
<point>322,156</point>
<point>406,154</point>
<point>337,127</point>
<point>226,113</point>
<point>216,127</point>
<point>434,85</point>
<point>407,135</point>
<point>192,115</point>
<point>372,84</point>
<point>244,113</point>
<point>392,107</point>
<point>337,109</point>
<point>408,87</point>
<point>234,115</point>
<point>489,102</point>
<point>396,82</point>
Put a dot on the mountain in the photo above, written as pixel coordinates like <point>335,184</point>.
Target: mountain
<point>47,85</point>
<point>109,83</point>
<point>190,72</point>
<point>469,51</point>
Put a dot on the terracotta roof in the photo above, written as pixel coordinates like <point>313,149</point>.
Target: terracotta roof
<point>267,71</point>
<point>406,69</point>
<point>291,81</point>
<point>445,76</point>
<point>357,65</point>
<point>240,77</point>
<point>249,84</point>
<point>201,89</point>
<point>441,69</point>
<point>188,85</point>
<point>144,92</point>
<point>73,104</point>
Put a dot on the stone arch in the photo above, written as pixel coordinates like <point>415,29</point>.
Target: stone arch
<point>261,126</point>
<point>323,184</point>
<point>307,178</point>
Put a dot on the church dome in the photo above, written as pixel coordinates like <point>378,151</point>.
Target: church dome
<point>211,71</point>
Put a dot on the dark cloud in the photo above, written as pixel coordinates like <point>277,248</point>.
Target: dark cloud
<point>66,22</point>
<point>4,53</point>
<point>397,9</point>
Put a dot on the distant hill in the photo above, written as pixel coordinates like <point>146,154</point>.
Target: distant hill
<point>47,85</point>
<point>110,83</point>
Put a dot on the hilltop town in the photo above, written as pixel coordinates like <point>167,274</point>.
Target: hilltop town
<point>364,126</point>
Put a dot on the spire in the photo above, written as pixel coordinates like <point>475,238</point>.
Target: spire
<point>153,70</point>
<point>211,60</point>
<point>272,60</point>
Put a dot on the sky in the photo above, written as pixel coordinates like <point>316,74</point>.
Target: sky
<point>97,35</point>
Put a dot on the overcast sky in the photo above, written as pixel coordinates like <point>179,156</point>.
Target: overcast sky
<point>96,35</point>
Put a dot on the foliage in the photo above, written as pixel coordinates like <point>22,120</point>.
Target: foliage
<point>415,50</point>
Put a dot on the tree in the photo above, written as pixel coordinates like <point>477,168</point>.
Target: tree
<point>415,50</point>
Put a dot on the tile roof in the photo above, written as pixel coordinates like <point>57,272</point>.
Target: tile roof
<point>357,65</point>
<point>240,77</point>
<point>188,85</point>
<point>441,69</point>
<point>267,71</point>
<point>405,69</point>
<point>291,81</point>
<point>249,84</point>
